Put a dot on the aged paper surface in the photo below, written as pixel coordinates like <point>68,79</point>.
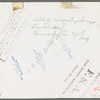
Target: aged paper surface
<point>50,51</point>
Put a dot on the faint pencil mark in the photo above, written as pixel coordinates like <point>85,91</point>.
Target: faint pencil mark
<point>29,70</point>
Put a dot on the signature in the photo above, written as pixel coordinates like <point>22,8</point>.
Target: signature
<point>51,41</point>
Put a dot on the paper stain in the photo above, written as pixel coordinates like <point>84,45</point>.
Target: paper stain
<point>18,5</point>
<point>68,5</point>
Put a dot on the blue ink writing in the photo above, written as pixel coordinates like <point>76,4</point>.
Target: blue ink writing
<point>39,60</point>
<point>17,67</point>
<point>65,47</point>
